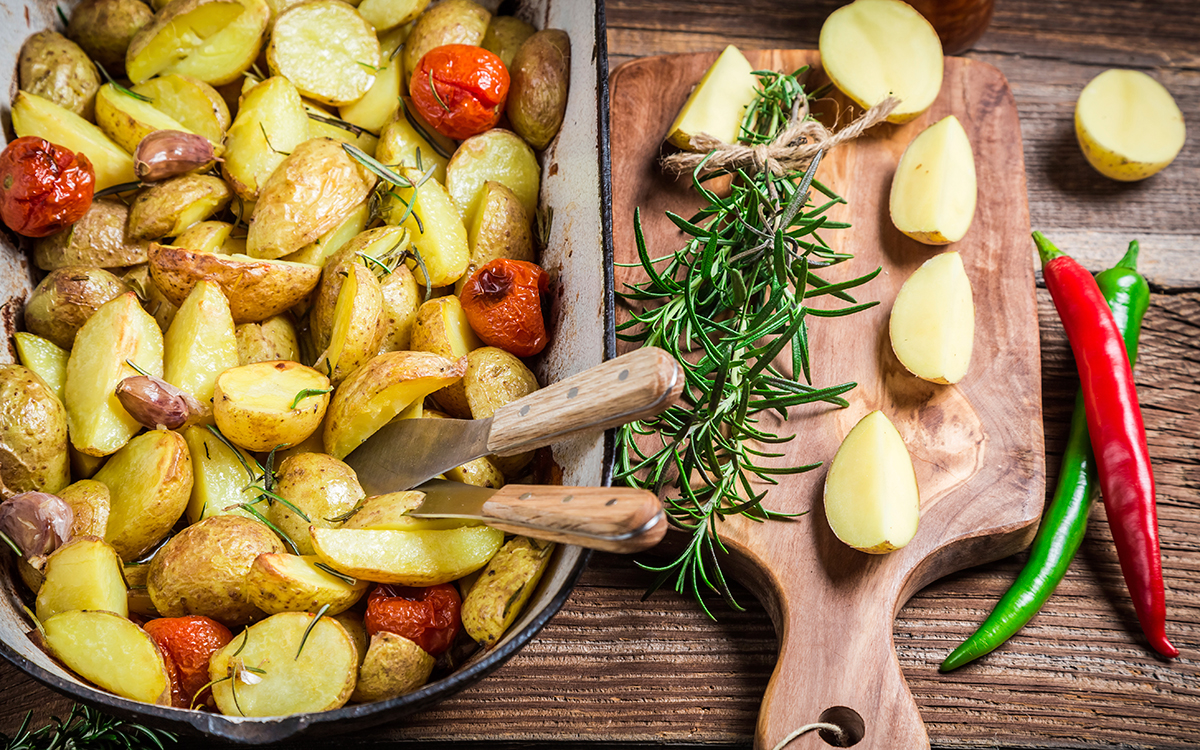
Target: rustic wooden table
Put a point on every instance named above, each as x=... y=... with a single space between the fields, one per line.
x=613 y=671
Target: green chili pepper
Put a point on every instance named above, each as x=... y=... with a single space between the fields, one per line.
x=1065 y=520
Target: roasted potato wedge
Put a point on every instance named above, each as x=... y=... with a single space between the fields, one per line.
x=104 y=28
x=256 y=289
x=388 y=14
x=271 y=122
x=152 y=299
x=205 y=237
x=344 y=71
x=401 y=300
x=500 y=228
x=312 y=667
x=270 y=404
x=292 y=583
x=272 y=339
x=537 y=98
x=33 y=115
x=84 y=573
x=98 y=240
x=128 y=120
x=33 y=434
x=380 y=390
x=167 y=208
x=220 y=475
x=434 y=226
x=190 y=102
x=47 y=360
x=64 y=300
x=312 y=191
x=405 y=135
x=202 y=569
x=54 y=67
x=390 y=513
x=330 y=126
x=200 y=344
x=327 y=245
x=407 y=558
x=357 y=332
x=378 y=105
x=494 y=378
x=441 y=328
x=392 y=666
x=500 y=593
x=110 y=651
x=449 y=22
x=214 y=41
x=149 y=482
x=137 y=597
x=320 y=489
x=89 y=501
x=379 y=243
x=120 y=332
x=497 y=155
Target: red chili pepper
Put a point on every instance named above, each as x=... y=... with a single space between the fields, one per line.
x=1117 y=434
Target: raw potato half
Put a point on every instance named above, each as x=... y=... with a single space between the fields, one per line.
x=871 y=497
x=718 y=103
x=326 y=49
x=110 y=651
x=932 y=325
x=1128 y=125
x=873 y=49
x=933 y=191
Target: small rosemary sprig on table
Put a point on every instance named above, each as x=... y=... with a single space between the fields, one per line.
x=86 y=729
x=735 y=296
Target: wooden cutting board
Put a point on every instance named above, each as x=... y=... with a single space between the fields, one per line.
x=977 y=446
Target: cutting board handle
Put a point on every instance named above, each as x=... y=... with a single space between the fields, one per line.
x=613 y=519
x=631 y=387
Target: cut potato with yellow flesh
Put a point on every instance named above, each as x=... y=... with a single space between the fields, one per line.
x=282 y=666
x=390 y=512
x=496 y=599
x=119 y=332
x=718 y=103
x=498 y=155
x=219 y=476
x=204 y=237
x=231 y=51
x=873 y=49
x=85 y=573
x=933 y=190
x=191 y=102
x=319 y=489
x=214 y=41
x=393 y=666
x=407 y=558
x=200 y=344
x=1128 y=125
x=388 y=14
x=401 y=140
x=33 y=115
x=270 y=123
x=401 y=300
x=932 y=325
x=356 y=331
x=871 y=497
x=272 y=339
x=270 y=404
x=45 y=358
x=128 y=120
x=90 y=501
x=435 y=227
x=293 y=583
x=335 y=239
x=342 y=133
x=378 y=391
x=149 y=483
x=441 y=328
x=379 y=104
x=326 y=49
x=110 y=651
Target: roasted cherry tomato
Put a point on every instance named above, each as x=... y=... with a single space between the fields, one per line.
x=460 y=89
x=43 y=187
x=503 y=304
x=429 y=616
x=187 y=643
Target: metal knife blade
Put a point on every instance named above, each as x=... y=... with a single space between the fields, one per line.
x=406 y=452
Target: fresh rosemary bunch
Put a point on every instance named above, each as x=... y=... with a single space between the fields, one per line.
x=735 y=296
x=87 y=729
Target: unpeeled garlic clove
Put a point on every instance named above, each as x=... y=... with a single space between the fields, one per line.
x=156 y=404
x=37 y=523
x=170 y=153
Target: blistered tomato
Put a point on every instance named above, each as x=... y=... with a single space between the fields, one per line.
x=429 y=616
x=503 y=304
x=43 y=187
x=459 y=89
x=187 y=643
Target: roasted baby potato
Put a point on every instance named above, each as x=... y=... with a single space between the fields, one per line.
x=152 y=299
x=499 y=229
x=377 y=106
x=378 y=391
x=388 y=14
x=98 y=239
x=256 y=289
x=500 y=593
x=111 y=652
x=120 y=332
x=149 y=482
x=128 y=120
x=537 y=98
x=190 y=102
x=320 y=488
x=214 y=41
x=205 y=237
x=46 y=360
x=312 y=667
x=498 y=155
x=64 y=300
x=291 y=583
x=390 y=513
x=449 y=22
x=357 y=333
x=89 y=501
x=270 y=404
x=272 y=339
x=270 y=123
x=401 y=140
x=393 y=665
x=202 y=569
x=220 y=476
x=434 y=226
x=33 y=115
x=407 y=558
x=441 y=328
x=167 y=208
x=504 y=36
x=312 y=191
x=54 y=67
x=327 y=245
x=33 y=434
x=401 y=299
x=378 y=243
x=493 y=379
x=84 y=573
x=104 y=28
x=200 y=344
x=344 y=71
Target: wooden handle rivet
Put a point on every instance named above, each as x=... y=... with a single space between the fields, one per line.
x=568 y=498
x=573 y=393
x=624 y=374
x=524 y=410
x=611 y=502
x=525 y=496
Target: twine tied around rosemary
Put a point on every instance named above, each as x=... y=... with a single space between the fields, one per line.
x=791 y=151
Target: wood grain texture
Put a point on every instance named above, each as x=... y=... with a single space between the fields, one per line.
x=612 y=671
x=615 y=519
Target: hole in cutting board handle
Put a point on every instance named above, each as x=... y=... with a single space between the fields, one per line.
x=849 y=720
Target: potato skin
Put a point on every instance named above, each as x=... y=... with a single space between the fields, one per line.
x=321 y=486
x=496 y=598
x=505 y=35
x=167 y=208
x=98 y=239
x=66 y=298
x=392 y=666
x=33 y=434
x=537 y=96
x=201 y=570
x=55 y=68
x=272 y=339
x=104 y=28
x=449 y=22
x=495 y=378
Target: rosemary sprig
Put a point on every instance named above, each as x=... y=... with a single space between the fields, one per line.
x=305 y=393
x=86 y=728
x=734 y=296
x=320 y=613
x=122 y=89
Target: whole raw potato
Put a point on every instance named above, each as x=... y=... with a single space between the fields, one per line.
x=104 y=28
x=33 y=434
x=55 y=68
x=201 y=570
x=66 y=298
